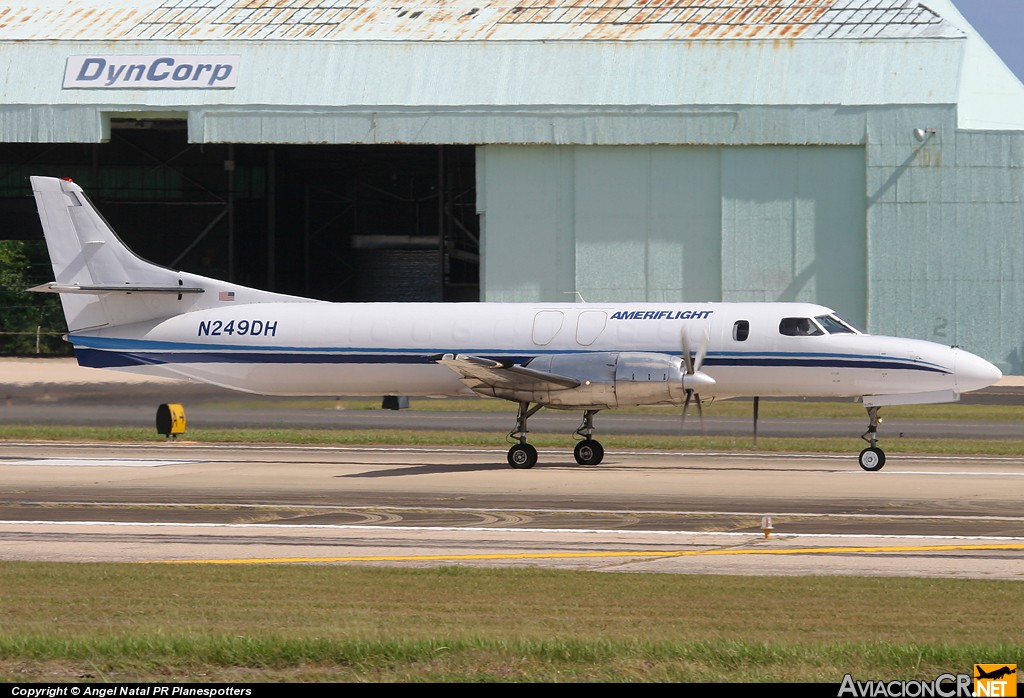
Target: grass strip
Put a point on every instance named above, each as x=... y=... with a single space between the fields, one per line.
x=123 y=622
x=439 y=438
x=769 y=408
x=268 y=659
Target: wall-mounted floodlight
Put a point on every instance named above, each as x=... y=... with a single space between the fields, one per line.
x=921 y=133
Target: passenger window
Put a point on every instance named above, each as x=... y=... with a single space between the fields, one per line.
x=799 y=327
x=741 y=330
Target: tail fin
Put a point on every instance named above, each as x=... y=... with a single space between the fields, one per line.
x=102 y=283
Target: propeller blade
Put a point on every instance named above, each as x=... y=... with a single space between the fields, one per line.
x=691 y=395
x=703 y=351
x=692 y=376
x=687 y=356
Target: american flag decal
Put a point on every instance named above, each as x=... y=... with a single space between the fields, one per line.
x=226 y=295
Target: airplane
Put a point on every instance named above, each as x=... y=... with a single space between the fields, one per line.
x=125 y=313
x=995 y=674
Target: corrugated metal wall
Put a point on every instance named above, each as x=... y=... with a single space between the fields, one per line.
x=902 y=236
x=675 y=223
x=793 y=226
x=946 y=254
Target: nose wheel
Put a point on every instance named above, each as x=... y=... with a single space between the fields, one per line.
x=872 y=458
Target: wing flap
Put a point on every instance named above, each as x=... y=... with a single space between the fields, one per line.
x=478 y=373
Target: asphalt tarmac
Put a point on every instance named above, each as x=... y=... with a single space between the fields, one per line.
x=674 y=513
x=670 y=512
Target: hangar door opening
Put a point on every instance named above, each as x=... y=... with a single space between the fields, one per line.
x=334 y=222
x=375 y=223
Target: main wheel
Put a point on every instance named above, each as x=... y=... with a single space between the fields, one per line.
x=522 y=456
x=872 y=459
x=589 y=452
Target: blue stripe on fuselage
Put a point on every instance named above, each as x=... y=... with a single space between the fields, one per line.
x=103 y=358
x=126 y=353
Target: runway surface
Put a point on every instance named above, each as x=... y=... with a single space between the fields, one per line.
x=672 y=512
x=681 y=513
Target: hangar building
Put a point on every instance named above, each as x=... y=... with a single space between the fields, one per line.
x=864 y=154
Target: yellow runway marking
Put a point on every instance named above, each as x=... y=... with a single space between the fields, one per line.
x=621 y=553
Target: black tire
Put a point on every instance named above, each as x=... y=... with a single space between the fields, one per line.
x=589 y=452
x=522 y=456
x=872 y=459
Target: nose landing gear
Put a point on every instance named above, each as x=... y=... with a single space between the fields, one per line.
x=872 y=458
x=522 y=455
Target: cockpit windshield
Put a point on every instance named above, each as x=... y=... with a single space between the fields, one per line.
x=834 y=325
x=814 y=327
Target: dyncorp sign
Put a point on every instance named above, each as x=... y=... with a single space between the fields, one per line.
x=151 y=72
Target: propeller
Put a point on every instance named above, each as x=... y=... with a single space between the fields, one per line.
x=694 y=379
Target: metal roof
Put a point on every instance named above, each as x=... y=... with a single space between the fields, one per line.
x=485 y=71
x=469 y=20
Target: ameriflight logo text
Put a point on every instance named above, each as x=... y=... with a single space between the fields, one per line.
x=661 y=314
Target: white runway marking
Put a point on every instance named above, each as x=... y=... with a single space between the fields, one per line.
x=495 y=529
x=958 y=473
x=534 y=511
x=97 y=462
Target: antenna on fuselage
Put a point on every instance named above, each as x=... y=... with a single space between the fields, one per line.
x=577 y=294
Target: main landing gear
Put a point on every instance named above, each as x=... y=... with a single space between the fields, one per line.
x=872 y=458
x=523 y=455
x=588 y=451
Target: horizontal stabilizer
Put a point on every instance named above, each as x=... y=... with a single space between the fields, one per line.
x=119 y=288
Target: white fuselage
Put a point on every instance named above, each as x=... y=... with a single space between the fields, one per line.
x=354 y=349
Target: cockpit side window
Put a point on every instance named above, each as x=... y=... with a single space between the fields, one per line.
x=741 y=330
x=799 y=327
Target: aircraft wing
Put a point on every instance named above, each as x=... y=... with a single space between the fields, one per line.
x=479 y=374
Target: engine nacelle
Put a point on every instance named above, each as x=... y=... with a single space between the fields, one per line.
x=649 y=379
x=608 y=380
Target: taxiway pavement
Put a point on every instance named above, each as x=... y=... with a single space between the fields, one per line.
x=681 y=513
x=672 y=512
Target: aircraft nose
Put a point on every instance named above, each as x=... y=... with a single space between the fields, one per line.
x=973 y=372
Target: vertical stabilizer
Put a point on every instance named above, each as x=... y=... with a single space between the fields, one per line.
x=104 y=284
x=83 y=249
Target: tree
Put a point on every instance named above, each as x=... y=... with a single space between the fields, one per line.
x=30 y=323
